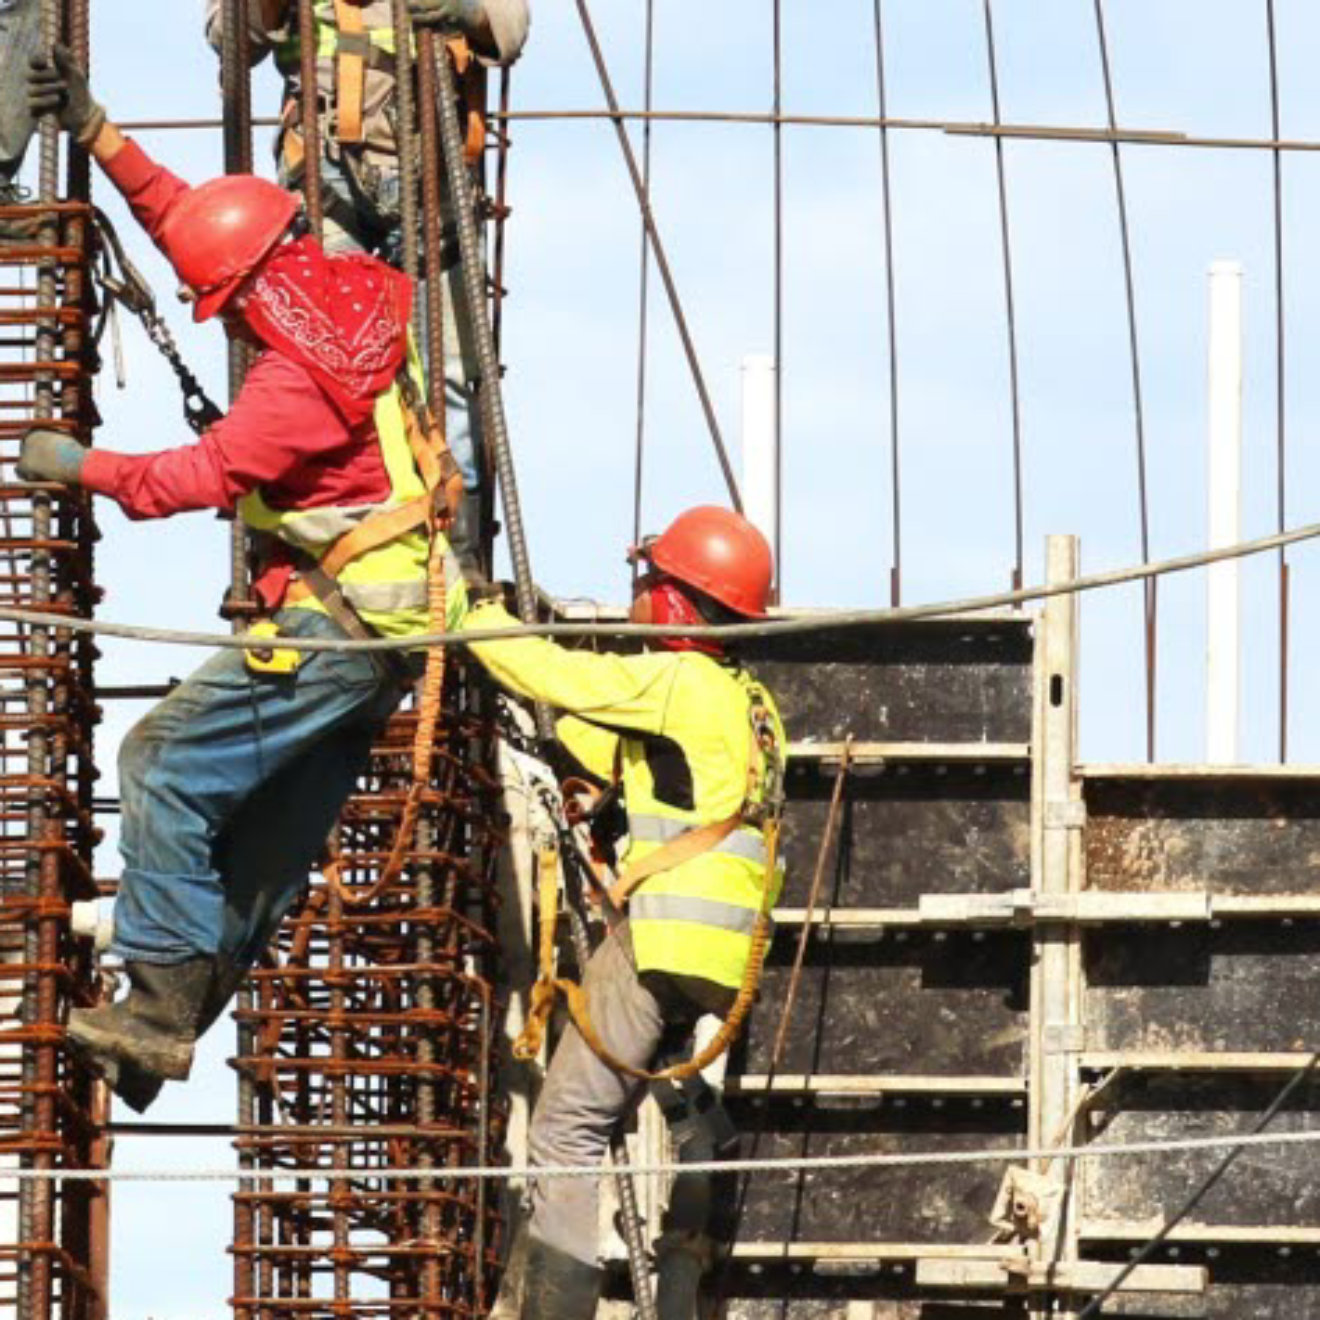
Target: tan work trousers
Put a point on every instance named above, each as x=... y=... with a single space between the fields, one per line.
x=583 y=1099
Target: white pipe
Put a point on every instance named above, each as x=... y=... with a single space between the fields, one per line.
x=760 y=439
x=1224 y=520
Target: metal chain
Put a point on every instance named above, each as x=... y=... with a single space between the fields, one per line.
x=129 y=288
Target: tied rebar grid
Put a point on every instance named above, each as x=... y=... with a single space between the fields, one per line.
x=53 y=1241
x=372 y=1048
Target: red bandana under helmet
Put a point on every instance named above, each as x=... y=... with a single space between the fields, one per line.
x=344 y=318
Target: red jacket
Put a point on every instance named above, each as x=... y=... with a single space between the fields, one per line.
x=282 y=433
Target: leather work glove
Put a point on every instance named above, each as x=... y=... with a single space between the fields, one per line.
x=56 y=85
x=456 y=15
x=50 y=456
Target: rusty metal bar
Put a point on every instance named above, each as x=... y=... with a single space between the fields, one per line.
x=1138 y=410
x=50 y=1108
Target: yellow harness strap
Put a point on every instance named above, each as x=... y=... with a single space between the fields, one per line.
x=350 y=70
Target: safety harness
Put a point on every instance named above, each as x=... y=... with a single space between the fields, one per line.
x=762 y=808
x=435 y=511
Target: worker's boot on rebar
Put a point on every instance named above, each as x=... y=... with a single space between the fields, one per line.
x=154 y=1027
x=557 y=1286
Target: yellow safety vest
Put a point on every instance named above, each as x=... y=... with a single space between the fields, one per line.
x=388 y=585
x=678 y=726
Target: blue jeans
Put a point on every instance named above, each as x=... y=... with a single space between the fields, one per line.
x=230 y=787
x=374 y=227
x=20 y=39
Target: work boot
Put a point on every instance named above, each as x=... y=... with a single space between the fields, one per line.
x=154 y=1027
x=138 y=1089
x=557 y=1286
x=17 y=229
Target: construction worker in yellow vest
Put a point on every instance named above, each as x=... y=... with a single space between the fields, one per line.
x=360 y=180
x=696 y=745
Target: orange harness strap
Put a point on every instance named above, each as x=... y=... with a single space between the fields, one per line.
x=350 y=70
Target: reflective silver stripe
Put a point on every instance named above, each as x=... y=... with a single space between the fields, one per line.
x=703 y=911
x=747 y=844
x=314 y=528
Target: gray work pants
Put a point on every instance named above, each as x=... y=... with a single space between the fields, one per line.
x=20 y=38
x=582 y=1099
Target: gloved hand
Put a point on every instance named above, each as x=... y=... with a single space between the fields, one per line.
x=56 y=85
x=457 y=15
x=50 y=456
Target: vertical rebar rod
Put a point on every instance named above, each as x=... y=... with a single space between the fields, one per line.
x=430 y=49
x=1280 y=383
x=311 y=121
x=643 y=285
x=1134 y=353
x=406 y=138
x=236 y=107
x=661 y=259
x=1150 y=589
x=891 y=318
x=494 y=423
x=36 y=1202
x=778 y=131
x=501 y=211
x=1006 y=248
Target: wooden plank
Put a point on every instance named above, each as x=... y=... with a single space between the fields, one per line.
x=1142 y=1230
x=864 y=752
x=873 y=1084
x=1192 y=1060
x=1157 y=771
x=862 y=1252
x=1067 y=1276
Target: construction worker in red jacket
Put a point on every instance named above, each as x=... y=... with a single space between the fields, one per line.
x=696 y=746
x=231 y=785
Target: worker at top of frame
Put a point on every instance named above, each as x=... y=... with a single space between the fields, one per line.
x=231 y=785
x=361 y=187
x=692 y=739
x=20 y=37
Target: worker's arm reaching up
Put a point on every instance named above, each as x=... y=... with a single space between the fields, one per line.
x=629 y=692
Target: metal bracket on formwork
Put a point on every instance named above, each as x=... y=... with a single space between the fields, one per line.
x=1027 y=1205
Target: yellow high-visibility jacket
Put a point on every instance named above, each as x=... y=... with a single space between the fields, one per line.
x=387 y=586
x=678 y=727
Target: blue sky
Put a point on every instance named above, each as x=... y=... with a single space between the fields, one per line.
x=1197 y=66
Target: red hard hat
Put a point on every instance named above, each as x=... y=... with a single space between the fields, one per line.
x=215 y=235
x=719 y=553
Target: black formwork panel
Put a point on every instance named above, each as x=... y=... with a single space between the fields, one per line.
x=960 y=681
x=910 y=830
x=1202 y=1016
x=935 y=1007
